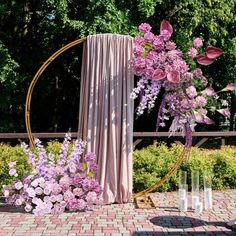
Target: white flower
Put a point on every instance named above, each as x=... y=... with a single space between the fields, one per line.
x=35 y=183
x=28 y=207
x=31 y=192
x=6 y=193
x=18 y=185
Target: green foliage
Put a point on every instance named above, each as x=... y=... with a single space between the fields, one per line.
x=11 y=154
x=16 y=154
x=32 y=30
x=149 y=165
x=153 y=163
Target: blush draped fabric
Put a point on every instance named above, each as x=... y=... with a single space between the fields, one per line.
x=106 y=111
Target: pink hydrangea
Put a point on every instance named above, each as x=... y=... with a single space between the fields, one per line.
x=197 y=73
x=91 y=198
x=149 y=37
x=201 y=101
x=197 y=42
x=192 y=52
x=56 y=188
x=191 y=91
x=144 y=28
x=170 y=46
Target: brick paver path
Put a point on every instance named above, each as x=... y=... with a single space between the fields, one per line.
x=125 y=219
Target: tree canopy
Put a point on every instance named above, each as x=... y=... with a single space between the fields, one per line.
x=31 y=30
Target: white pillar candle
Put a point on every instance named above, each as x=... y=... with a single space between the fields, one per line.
x=207 y=198
x=183 y=204
x=182 y=193
x=199 y=207
x=195 y=201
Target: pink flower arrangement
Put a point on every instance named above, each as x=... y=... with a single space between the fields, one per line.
x=161 y=66
x=56 y=185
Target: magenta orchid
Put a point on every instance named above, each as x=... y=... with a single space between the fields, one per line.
x=56 y=186
x=161 y=66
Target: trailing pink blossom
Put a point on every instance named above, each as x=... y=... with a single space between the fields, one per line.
x=225 y=112
x=229 y=87
x=209 y=91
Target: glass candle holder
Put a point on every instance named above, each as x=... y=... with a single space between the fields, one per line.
x=183 y=197
x=182 y=177
x=207 y=177
x=195 y=188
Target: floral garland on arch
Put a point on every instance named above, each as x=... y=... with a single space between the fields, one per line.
x=58 y=183
x=187 y=97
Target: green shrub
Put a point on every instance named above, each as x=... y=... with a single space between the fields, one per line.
x=149 y=165
x=10 y=154
x=153 y=163
x=16 y=154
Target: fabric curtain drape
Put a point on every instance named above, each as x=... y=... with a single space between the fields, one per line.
x=106 y=111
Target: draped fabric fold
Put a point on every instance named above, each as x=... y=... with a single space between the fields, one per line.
x=106 y=111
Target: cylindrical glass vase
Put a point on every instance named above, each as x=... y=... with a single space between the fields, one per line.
x=183 y=191
x=195 y=188
x=183 y=197
x=182 y=177
x=207 y=191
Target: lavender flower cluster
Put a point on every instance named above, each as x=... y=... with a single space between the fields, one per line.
x=56 y=184
x=187 y=97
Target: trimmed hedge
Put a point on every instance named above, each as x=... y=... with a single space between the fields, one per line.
x=152 y=163
x=149 y=165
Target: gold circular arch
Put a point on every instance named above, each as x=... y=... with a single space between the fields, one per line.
x=141 y=198
x=34 y=81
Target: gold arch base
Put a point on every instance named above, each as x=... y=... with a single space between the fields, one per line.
x=142 y=199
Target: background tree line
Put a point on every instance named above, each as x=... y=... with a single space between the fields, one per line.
x=31 y=30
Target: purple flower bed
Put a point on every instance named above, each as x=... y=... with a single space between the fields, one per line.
x=58 y=183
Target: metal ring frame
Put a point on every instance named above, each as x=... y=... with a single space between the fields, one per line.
x=34 y=81
x=143 y=193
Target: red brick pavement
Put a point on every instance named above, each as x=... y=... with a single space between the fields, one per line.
x=125 y=219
